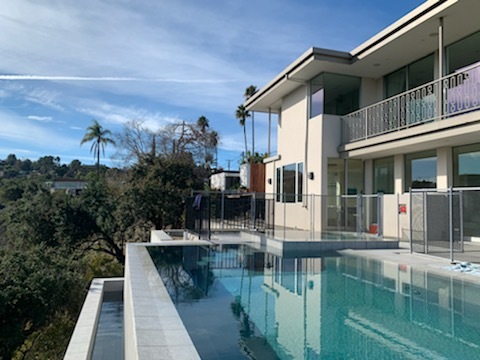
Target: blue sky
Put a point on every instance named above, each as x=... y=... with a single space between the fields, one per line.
x=66 y=62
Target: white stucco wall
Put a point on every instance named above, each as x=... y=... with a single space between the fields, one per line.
x=245 y=175
x=217 y=181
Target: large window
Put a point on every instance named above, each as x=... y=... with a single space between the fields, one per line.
x=463 y=53
x=421 y=170
x=334 y=94
x=466 y=165
x=409 y=77
x=290 y=183
x=383 y=177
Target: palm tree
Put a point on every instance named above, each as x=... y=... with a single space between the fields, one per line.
x=203 y=124
x=249 y=92
x=214 y=140
x=242 y=114
x=99 y=136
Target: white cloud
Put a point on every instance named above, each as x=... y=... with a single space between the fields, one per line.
x=120 y=115
x=21 y=131
x=40 y=118
x=44 y=97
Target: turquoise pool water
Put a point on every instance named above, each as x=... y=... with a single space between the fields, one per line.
x=238 y=302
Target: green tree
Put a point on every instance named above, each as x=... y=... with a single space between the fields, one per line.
x=35 y=284
x=158 y=187
x=100 y=138
x=242 y=114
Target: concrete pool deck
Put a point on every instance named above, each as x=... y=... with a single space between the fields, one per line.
x=419 y=262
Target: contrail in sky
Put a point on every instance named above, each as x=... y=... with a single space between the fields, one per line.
x=108 y=78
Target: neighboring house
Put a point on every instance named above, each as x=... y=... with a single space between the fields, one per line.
x=225 y=180
x=69 y=186
x=400 y=111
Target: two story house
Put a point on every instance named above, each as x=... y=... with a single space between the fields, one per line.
x=399 y=112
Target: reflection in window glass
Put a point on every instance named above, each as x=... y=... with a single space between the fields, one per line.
x=354 y=176
x=463 y=53
x=466 y=165
x=289 y=183
x=334 y=94
x=396 y=82
x=299 y=181
x=383 y=177
x=421 y=170
x=278 y=187
x=409 y=77
x=316 y=102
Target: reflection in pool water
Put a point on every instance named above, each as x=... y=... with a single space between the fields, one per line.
x=239 y=302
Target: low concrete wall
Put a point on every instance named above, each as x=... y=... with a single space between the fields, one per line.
x=153 y=328
x=157 y=236
x=83 y=338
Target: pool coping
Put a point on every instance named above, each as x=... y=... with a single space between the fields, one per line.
x=81 y=343
x=153 y=327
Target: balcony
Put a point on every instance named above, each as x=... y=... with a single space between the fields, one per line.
x=440 y=99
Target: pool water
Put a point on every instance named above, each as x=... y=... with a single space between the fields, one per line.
x=238 y=302
x=108 y=343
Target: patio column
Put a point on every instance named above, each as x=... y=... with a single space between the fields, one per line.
x=441 y=69
x=444 y=168
x=441 y=49
x=399 y=173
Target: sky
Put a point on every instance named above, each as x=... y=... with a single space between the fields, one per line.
x=64 y=63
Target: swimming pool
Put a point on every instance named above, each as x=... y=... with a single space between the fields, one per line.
x=238 y=302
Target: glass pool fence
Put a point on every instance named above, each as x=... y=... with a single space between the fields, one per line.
x=446 y=223
x=284 y=215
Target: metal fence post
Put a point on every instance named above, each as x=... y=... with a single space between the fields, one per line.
x=223 y=210
x=460 y=205
x=359 y=214
x=425 y=221
x=450 y=219
x=411 y=223
x=380 y=216
x=254 y=215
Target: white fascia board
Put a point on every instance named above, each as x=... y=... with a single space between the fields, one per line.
x=402 y=26
x=312 y=54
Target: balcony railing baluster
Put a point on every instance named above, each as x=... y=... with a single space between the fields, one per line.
x=440 y=99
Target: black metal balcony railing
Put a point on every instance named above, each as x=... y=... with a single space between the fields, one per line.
x=440 y=99
x=227 y=212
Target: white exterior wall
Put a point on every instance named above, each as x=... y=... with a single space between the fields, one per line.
x=312 y=142
x=245 y=175
x=217 y=181
x=291 y=148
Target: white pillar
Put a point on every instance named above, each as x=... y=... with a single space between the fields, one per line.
x=444 y=167
x=398 y=173
x=368 y=173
